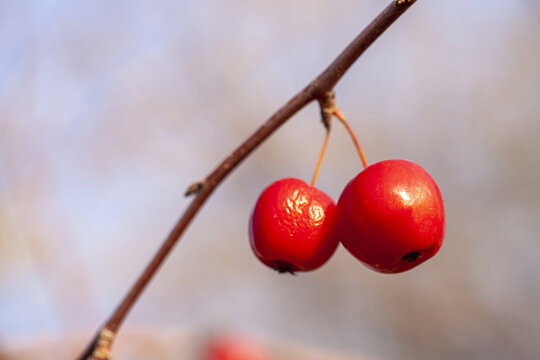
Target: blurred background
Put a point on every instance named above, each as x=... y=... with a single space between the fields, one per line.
x=109 y=110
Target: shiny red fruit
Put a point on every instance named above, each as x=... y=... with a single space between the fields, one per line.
x=291 y=227
x=391 y=216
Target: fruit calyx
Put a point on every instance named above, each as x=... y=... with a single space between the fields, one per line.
x=283 y=267
x=412 y=256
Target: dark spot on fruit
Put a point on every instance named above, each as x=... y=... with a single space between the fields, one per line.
x=412 y=256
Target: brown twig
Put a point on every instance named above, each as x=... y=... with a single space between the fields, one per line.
x=315 y=90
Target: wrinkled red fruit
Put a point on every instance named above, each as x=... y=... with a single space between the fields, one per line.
x=391 y=216
x=291 y=227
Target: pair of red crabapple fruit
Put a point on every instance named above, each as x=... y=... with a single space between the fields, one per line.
x=390 y=217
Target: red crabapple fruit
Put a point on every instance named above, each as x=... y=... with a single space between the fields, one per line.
x=292 y=226
x=391 y=216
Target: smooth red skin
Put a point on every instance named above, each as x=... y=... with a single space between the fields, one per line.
x=390 y=209
x=232 y=347
x=291 y=227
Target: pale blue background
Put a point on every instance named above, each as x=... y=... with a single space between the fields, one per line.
x=109 y=110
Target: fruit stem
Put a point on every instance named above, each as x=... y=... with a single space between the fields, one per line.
x=321 y=156
x=337 y=113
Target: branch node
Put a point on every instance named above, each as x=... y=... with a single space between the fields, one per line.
x=194 y=188
x=401 y=2
x=328 y=105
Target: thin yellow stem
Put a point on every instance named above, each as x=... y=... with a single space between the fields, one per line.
x=340 y=116
x=321 y=156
